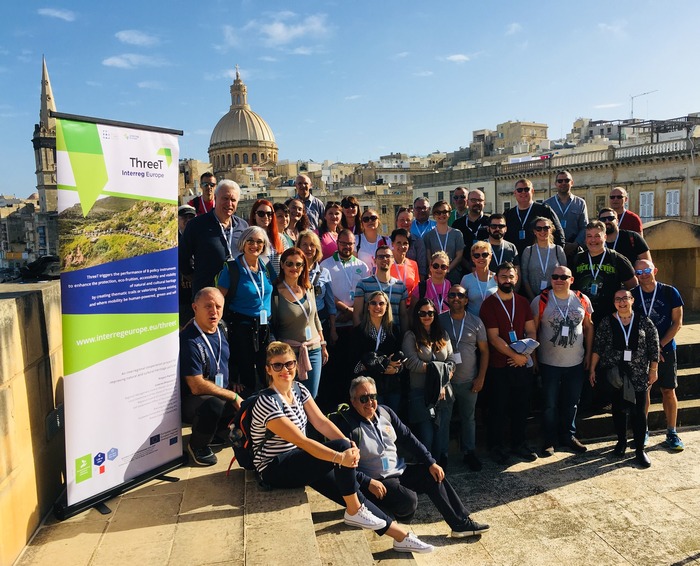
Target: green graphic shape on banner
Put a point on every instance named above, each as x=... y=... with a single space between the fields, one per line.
x=165 y=152
x=90 y=344
x=83 y=468
x=81 y=141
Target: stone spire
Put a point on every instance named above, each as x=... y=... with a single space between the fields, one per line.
x=46 y=123
x=239 y=93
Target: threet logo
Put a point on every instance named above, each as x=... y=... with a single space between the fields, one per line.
x=165 y=152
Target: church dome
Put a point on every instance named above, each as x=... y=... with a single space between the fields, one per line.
x=241 y=124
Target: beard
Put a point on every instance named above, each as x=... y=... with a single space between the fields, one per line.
x=609 y=229
x=505 y=287
x=497 y=235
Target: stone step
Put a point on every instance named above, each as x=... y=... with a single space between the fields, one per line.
x=688 y=355
x=688 y=384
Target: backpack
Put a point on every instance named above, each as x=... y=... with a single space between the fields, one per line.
x=544 y=297
x=422 y=288
x=239 y=428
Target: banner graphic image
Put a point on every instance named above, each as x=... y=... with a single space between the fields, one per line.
x=117 y=217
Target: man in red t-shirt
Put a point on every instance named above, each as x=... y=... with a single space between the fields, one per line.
x=508 y=318
x=205 y=202
x=626 y=219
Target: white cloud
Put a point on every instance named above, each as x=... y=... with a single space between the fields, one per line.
x=513 y=28
x=151 y=85
x=135 y=37
x=353 y=97
x=133 y=60
x=302 y=51
x=65 y=15
x=268 y=59
x=285 y=28
x=422 y=73
x=617 y=29
x=458 y=58
x=230 y=37
x=608 y=105
x=401 y=55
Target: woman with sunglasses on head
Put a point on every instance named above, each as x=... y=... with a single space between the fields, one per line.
x=445 y=239
x=378 y=349
x=262 y=214
x=436 y=286
x=425 y=344
x=481 y=282
x=539 y=260
x=416 y=250
x=329 y=229
x=626 y=348
x=282 y=216
x=246 y=282
x=366 y=244
x=296 y=319
x=352 y=219
x=286 y=458
x=298 y=220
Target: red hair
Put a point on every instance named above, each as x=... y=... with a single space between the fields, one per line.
x=273 y=232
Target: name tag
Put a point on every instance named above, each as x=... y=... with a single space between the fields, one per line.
x=263 y=317
x=594 y=289
x=352 y=295
x=458 y=357
x=564 y=331
x=307 y=333
x=385 y=463
x=513 y=336
x=219 y=379
x=563 y=223
x=521 y=234
x=543 y=285
x=627 y=356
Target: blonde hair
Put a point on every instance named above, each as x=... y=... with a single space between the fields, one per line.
x=440 y=255
x=277 y=349
x=481 y=246
x=316 y=242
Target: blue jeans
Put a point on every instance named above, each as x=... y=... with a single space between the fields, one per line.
x=561 y=389
x=434 y=434
x=466 y=404
x=313 y=377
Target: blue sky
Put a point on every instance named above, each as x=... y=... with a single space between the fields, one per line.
x=345 y=81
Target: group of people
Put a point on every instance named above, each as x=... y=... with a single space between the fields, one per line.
x=410 y=323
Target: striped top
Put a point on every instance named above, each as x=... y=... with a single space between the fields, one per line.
x=268 y=408
x=395 y=289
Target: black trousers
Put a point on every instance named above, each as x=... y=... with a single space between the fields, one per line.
x=510 y=389
x=638 y=416
x=248 y=344
x=208 y=415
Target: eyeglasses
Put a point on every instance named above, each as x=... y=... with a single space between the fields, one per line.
x=563 y=180
x=645 y=271
x=368 y=219
x=607 y=218
x=366 y=398
x=456 y=295
x=476 y=200
x=420 y=208
x=426 y=314
x=346 y=244
x=482 y=254
x=615 y=197
x=384 y=256
x=522 y=190
x=557 y=277
x=290 y=365
x=440 y=266
x=542 y=228
x=348 y=205
x=208 y=185
x=441 y=212
x=377 y=303
x=255 y=242
x=623 y=299
x=264 y=213
x=459 y=197
x=296 y=264
x=497 y=226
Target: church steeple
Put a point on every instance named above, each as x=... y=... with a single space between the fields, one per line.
x=47 y=102
x=44 y=142
x=239 y=93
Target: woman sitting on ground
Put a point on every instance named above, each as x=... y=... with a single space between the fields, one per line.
x=290 y=459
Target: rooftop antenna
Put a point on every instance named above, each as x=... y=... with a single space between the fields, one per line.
x=632 y=97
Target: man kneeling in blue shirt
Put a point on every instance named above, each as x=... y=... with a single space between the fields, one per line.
x=384 y=477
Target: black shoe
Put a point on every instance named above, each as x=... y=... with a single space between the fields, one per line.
x=202 y=456
x=469 y=529
x=548 y=451
x=498 y=455
x=576 y=445
x=620 y=448
x=642 y=459
x=525 y=452
x=472 y=462
x=218 y=441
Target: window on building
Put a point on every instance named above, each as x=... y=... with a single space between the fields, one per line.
x=236 y=159
x=506 y=205
x=646 y=205
x=365 y=208
x=228 y=160
x=673 y=203
x=384 y=209
x=600 y=202
x=245 y=158
x=255 y=157
x=441 y=195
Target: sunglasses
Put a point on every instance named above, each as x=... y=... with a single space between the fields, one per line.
x=255 y=242
x=482 y=254
x=367 y=219
x=563 y=180
x=542 y=228
x=290 y=365
x=263 y=213
x=440 y=266
x=426 y=314
x=208 y=185
x=522 y=190
x=497 y=226
x=456 y=295
x=557 y=277
x=366 y=398
x=607 y=218
x=297 y=264
x=615 y=197
x=459 y=197
x=645 y=271
x=349 y=206
x=441 y=212
x=377 y=303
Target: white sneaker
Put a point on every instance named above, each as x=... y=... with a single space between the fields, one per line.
x=412 y=544
x=365 y=519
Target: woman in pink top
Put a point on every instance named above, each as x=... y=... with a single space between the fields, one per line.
x=436 y=286
x=329 y=229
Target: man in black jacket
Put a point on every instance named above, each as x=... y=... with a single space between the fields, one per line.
x=384 y=477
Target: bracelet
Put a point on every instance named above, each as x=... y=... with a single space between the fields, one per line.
x=236 y=398
x=654 y=369
x=323 y=342
x=335 y=455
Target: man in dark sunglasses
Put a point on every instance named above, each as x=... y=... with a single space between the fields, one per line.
x=467 y=334
x=565 y=333
x=459 y=205
x=519 y=217
x=630 y=244
x=503 y=250
x=571 y=211
x=205 y=201
x=473 y=224
x=627 y=220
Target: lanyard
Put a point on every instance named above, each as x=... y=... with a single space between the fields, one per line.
x=619 y=220
x=461 y=330
x=382 y=288
x=653 y=298
x=590 y=263
x=422 y=232
x=628 y=332
x=259 y=290
x=341 y=266
x=568 y=303
x=378 y=431
x=503 y=250
x=442 y=247
x=229 y=239
x=398 y=271
x=206 y=340
x=441 y=297
x=564 y=211
x=298 y=302
x=523 y=221
x=511 y=315
x=204 y=205
x=486 y=285
x=614 y=246
x=477 y=222
x=546 y=263
x=379 y=338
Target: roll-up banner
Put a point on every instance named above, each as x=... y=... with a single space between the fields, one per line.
x=117 y=218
